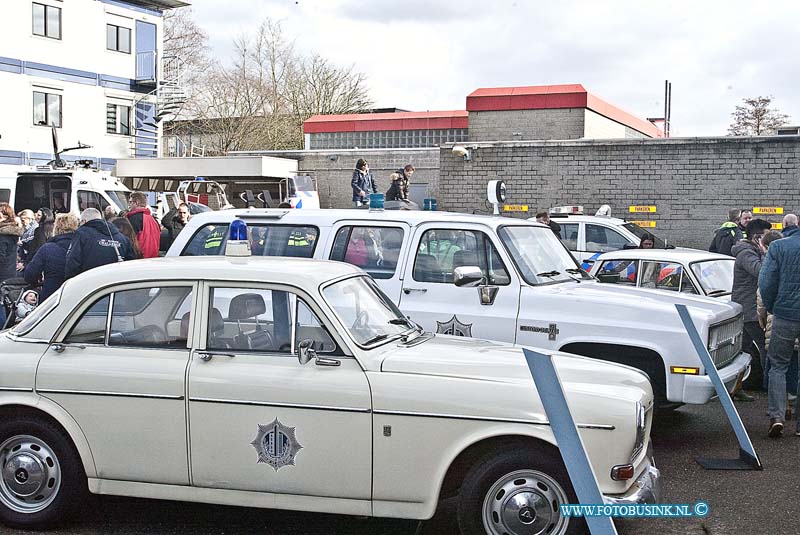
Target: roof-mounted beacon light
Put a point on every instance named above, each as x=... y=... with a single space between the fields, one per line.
x=496 y=193
x=238 y=243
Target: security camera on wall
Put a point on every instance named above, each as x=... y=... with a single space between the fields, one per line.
x=462 y=151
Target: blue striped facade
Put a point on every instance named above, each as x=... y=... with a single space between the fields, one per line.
x=65 y=74
x=16 y=157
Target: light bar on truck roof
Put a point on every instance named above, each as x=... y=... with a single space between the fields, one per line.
x=566 y=210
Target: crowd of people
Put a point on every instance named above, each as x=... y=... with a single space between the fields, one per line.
x=39 y=251
x=766 y=283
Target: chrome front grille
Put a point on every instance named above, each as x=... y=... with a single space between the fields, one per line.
x=725 y=341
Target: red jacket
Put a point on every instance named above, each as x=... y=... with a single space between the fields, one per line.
x=148 y=231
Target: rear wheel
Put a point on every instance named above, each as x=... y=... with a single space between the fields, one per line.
x=517 y=492
x=41 y=477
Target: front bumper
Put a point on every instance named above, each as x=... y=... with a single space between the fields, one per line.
x=646 y=489
x=698 y=389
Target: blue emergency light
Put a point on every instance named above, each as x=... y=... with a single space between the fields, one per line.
x=238 y=243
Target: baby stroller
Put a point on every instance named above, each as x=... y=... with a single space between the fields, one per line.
x=10 y=292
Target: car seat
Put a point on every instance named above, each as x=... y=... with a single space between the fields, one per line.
x=244 y=307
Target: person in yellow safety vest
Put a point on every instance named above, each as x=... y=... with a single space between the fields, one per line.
x=214 y=239
x=298 y=239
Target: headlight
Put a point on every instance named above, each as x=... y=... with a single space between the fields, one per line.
x=641 y=431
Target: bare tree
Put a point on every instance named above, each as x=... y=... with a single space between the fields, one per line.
x=756 y=118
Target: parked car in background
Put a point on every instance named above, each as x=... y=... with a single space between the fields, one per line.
x=533 y=293
x=294 y=384
x=588 y=236
x=679 y=270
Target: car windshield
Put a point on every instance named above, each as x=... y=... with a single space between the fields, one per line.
x=119 y=197
x=37 y=314
x=539 y=255
x=715 y=276
x=364 y=309
x=639 y=232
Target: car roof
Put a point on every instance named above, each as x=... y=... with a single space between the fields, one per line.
x=322 y=216
x=588 y=219
x=303 y=272
x=676 y=255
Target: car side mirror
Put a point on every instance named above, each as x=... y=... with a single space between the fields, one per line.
x=608 y=277
x=468 y=276
x=630 y=246
x=305 y=351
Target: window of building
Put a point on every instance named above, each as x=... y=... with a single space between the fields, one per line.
x=440 y=251
x=46 y=21
x=376 y=250
x=46 y=109
x=118 y=38
x=118 y=119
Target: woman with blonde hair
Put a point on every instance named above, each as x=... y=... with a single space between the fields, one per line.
x=48 y=264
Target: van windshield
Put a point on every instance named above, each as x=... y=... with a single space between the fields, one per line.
x=539 y=255
x=119 y=197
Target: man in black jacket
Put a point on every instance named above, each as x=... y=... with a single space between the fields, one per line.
x=728 y=234
x=96 y=243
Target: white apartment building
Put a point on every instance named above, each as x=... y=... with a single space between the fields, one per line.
x=92 y=68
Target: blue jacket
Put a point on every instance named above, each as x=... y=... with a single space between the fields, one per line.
x=94 y=245
x=362 y=182
x=779 y=281
x=50 y=260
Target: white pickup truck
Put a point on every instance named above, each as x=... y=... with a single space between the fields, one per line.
x=535 y=292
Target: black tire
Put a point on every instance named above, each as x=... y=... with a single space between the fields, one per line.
x=69 y=481
x=492 y=468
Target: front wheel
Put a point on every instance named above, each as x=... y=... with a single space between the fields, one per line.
x=517 y=492
x=41 y=477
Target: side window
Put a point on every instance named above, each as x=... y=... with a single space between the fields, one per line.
x=309 y=327
x=91 y=327
x=619 y=272
x=376 y=250
x=602 y=239
x=91 y=199
x=245 y=319
x=661 y=275
x=148 y=317
x=569 y=235
x=440 y=251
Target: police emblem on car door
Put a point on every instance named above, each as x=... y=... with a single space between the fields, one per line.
x=276 y=444
x=454 y=327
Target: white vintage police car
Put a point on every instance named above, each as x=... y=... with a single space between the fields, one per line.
x=293 y=384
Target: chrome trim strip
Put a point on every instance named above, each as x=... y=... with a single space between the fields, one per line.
x=14 y=389
x=284 y=405
x=110 y=394
x=604 y=427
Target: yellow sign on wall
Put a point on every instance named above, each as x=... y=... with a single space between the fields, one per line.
x=639 y=209
x=645 y=224
x=515 y=207
x=778 y=210
x=777 y=226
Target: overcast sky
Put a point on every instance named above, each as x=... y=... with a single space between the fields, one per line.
x=430 y=54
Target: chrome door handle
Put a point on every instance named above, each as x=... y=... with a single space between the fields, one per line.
x=205 y=356
x=59 y=348
x=409 y=290
x=322 y=361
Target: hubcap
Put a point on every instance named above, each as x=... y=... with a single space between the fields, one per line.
x=524 y=502
x=31 y=475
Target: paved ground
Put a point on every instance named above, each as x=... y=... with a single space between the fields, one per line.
x=741 y=502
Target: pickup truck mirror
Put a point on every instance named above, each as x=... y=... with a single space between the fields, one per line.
x=468 y=276
x=608 y=277
x=630 y=246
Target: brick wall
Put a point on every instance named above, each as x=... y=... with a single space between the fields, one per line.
x=565 y=123
x=333 y=169
x=693 y=181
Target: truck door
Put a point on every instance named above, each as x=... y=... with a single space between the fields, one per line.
x=431 y=299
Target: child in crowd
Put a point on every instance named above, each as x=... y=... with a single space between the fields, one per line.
x=26 y=304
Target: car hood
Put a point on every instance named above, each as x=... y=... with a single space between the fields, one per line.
x=497 y=362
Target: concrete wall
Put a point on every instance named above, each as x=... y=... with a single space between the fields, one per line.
x=598 y=126
x=333 y=169
x=565 y=123
x=693 y=181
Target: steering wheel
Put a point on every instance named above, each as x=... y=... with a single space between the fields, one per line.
x=361 y=322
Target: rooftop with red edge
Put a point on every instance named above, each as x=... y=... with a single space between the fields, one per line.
x=481 y=100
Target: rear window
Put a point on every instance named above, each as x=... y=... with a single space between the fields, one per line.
x=265 y=240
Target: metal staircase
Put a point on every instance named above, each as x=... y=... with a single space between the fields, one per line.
x=165 y=101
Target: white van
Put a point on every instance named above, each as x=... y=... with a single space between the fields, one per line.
x=535 y=292
x=62 y=189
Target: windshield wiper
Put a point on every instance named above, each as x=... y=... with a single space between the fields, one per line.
x=576 y=271
x=376 y=338
x=548 y=273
